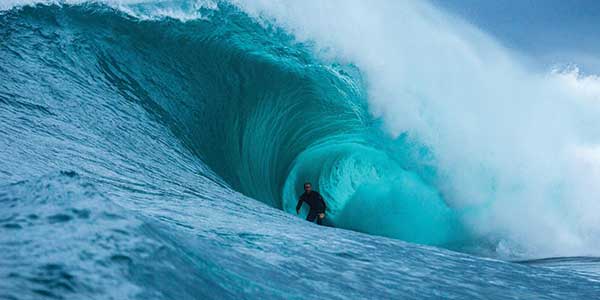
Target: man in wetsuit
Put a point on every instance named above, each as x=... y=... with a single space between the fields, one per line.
x=316 y=203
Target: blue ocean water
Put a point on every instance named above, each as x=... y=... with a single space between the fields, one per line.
x=156 y=151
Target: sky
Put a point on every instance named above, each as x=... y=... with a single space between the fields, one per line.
x=553 y=32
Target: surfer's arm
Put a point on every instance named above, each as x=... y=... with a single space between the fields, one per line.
x=299 y=205
x=323 y=202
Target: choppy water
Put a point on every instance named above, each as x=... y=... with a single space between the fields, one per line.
x=146 y=157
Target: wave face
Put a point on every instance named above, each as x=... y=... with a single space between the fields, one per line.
x=148 y=157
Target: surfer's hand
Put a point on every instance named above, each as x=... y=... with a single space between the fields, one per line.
x=321 y=215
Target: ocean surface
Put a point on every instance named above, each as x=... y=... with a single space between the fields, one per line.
x=156 y=150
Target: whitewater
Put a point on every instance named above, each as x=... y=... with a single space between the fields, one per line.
x=157 y=149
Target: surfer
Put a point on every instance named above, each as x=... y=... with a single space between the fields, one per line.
x=316 y=203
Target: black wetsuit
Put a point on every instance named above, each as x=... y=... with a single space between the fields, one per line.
x=316 y=203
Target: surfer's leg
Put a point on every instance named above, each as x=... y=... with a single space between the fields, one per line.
x=311 y=216
x=319 y=220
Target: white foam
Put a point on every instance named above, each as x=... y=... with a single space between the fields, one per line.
x=503 y=135
x=142 y=9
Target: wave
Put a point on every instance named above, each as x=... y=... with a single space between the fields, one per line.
x=462 y=148
x=136 y=138
x=266 y=116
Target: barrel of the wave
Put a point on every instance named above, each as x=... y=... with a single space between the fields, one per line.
x=368 y=191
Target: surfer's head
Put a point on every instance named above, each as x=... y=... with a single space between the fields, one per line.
x=307 y=187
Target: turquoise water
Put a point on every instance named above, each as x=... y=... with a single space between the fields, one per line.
x=155 y=158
